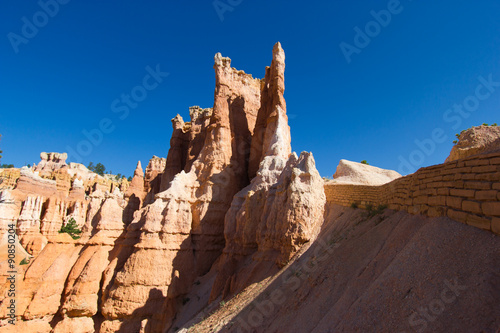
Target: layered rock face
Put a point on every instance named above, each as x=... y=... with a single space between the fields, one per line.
x=282 y=208
x=476 y=140
x=181 y=234
x=41 y=199
x=229 y=192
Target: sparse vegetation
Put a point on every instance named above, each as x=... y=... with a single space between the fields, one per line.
x=71 y=228
x=494 y=124
x=25 y=261
x=375 y=211
x=354 y=205
x=129 y=178
x=222 y=304
x=485 y=124
x=99 y=168
x=364 y=162
x=6 y=166
x=455 y=141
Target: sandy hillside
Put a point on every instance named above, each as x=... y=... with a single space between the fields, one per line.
x=388 y=273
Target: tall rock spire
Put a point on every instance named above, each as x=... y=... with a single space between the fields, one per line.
x=272 y=133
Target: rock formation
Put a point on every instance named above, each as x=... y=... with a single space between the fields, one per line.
x=181 y=234
x=51 y=162
x=476 y=140
x=41 y=199
x=362 y=174
x=282 y=208
x=229 y=184
x=230 y=206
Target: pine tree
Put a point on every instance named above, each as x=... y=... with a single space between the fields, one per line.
x=71 y=228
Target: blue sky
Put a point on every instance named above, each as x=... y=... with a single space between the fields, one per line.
x=405 y=74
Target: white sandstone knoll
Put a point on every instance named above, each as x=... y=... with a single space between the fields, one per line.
x=354 y=173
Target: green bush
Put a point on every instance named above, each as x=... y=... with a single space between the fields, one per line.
x=375 y=211
x=71 y=228
x=364 y=162
x=24 y=262
x=99 y=168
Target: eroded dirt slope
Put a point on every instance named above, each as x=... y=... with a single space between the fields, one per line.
x=393 y=272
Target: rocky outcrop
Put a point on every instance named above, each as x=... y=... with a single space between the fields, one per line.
x=81 y=293
x=349 y=172
x=186 y=143
x=152 y=177
x=51 y=162
x=30 y=182
x=181 y=233
x=272 y=106
x=9 y=177
x=283 y=206
x=230 y=198
x=476 y=140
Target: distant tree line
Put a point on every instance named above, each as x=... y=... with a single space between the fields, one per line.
x=100 y=169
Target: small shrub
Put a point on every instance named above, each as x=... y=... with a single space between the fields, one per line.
x=71 y=228
x=222 y=304
x=25 y=261
x=364 y=162
x=458 y=135
x=494 y=124
x=354 y=205
x=485 y=124
x=455 y=141
x=375 y=211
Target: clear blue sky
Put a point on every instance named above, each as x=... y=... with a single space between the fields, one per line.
x=396 y=89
